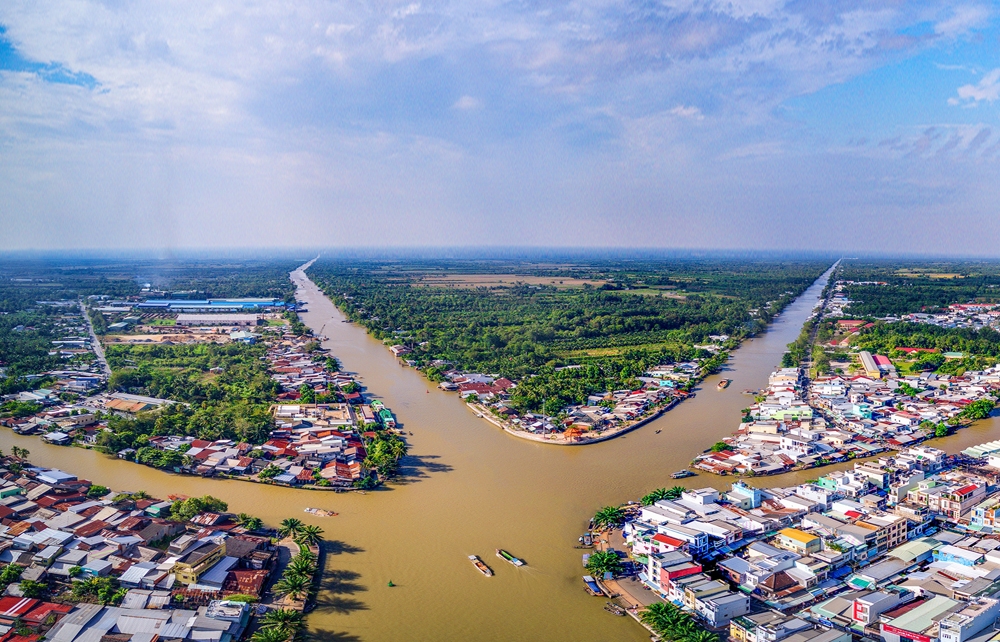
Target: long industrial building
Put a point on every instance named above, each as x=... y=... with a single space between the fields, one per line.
x=208 y=305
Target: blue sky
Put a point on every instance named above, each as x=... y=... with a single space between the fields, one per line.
x=765 y=124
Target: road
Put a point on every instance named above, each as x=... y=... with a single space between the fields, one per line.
x=95 y=343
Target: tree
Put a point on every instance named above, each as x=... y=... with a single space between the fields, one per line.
x=249 y=522
x=309 y=534
x=653 y=496
x=30 y=588
x=269 y=635
x=285 y=620
x=294 y=586
x=720 y=446
x=97 y=490
x=603 y=562
x=183 y=510
x=301 y=566
x=290 y=527
x=608 y=517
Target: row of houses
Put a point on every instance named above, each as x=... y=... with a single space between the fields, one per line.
x=902 y=548
x=801 y=424
x=175 y=576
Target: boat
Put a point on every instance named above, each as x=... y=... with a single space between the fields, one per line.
x=591 y=586
x=319 y=512
x=588 y=539
x=724 y=384
x=658 y=431
x=681 y=474
x=507 y=557
x=478 y=563
x=614 y=609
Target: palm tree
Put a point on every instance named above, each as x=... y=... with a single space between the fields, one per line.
x=301 y=566
x=654 y=496
x=309 y=535
x=294 y=586
x=270 y=635
x=608 y=516
x=284 y=620
x=675 y=492
x=701 y=635
x=290 y=527
x=249 y=522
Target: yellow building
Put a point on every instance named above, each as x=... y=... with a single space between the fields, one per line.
x=793 y=539
x=190 y=567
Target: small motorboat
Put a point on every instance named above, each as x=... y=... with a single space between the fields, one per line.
x=479 y=564
x=681 y=474
x=658 y=431
x=507 y=557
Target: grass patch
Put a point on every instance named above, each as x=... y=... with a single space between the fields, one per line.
x=163 y=322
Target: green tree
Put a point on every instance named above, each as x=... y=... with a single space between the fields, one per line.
x=309 y=535
x=269 y=635
x=30 y=588
x=294 y=586
x=183 y=510
x=285 y=620
x=602 y=562
x=290 y=527
x=608 y=517
x=249 y=522
x=97 y=490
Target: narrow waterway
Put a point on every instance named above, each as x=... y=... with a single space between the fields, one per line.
x=468 y=488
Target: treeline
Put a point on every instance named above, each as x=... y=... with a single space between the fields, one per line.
x=918 y=286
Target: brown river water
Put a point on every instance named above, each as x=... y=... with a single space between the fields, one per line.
x=468 y=488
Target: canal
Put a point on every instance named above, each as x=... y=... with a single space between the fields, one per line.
x=468 y=488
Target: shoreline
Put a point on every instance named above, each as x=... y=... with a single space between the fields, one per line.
x=484 y=413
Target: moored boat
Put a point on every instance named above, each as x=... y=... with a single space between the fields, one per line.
x=479 y=564
x=319 y=512
x=681 y=474
x=591 y=586
x=724 y=384
x=507 y=557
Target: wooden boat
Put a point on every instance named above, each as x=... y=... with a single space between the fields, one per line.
x=681 y=474
x=614 y=609
x=507 y=557
x=319 y=512
x=478 y=563
x=591 y=586
x=587 y=539
x=724 y=384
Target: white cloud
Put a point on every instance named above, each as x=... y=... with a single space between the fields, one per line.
x=687 y=111
x=963 y=19
x=467 y=103
x=988 y=89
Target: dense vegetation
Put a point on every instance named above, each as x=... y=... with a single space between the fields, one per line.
x=907 y=287
x=981 y=348
x=616 y=317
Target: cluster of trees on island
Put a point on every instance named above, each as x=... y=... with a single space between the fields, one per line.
x=528 y=332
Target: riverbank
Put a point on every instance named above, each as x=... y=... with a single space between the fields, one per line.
x=561 y=439
x=491 y=490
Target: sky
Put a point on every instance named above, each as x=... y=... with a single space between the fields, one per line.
x=759 y=124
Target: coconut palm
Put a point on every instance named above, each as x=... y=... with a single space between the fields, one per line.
x=608 y=516
x=294 y=586
x=284 y=620
x=301 y=566
x=290 y=527
x=675 y=492
x=270 y=635
x=249 y=522
x=309 y=535
x=654 y=496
